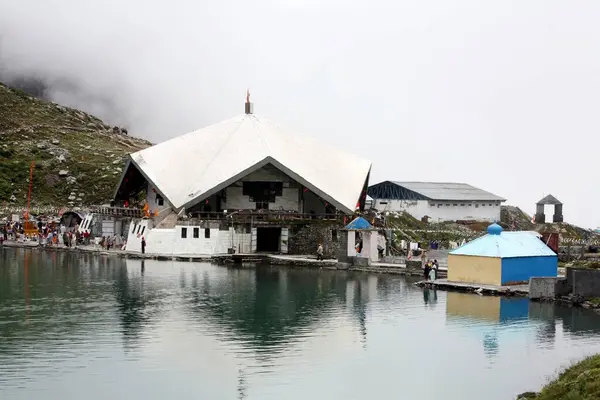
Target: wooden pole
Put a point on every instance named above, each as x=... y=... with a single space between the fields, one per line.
x=29 y=195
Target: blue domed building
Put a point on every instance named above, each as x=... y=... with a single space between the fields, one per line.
x=502 y=258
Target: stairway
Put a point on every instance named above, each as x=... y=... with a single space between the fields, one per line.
x=168 y=222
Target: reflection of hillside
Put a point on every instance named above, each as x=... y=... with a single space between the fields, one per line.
x=45 y=297
x=574 y=320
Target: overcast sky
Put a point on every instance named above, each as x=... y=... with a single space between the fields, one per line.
x=502 y=95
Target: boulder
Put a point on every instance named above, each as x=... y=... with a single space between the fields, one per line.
x=55 y=141
x=63 y=173
x=41 y=145
x=71 y=180
x=61 y=158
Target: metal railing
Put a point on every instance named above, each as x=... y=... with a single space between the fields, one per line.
x=248 y=216
x=117 y=211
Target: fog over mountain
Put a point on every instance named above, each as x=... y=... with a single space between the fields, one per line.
x=501 y=95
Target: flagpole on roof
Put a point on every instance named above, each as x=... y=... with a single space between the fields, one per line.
x=248 y=106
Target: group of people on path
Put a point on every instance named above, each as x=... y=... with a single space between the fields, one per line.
x=430 y=268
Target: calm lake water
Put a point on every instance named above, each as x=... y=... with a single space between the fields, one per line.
x=92 y=327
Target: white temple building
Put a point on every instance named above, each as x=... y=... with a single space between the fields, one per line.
x=237 y=186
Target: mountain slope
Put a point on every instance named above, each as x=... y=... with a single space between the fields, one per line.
x=78 y=158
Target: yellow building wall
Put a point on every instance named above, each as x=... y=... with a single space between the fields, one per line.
x=475 y=269
x=477 y=307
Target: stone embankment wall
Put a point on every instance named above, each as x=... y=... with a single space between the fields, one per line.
x=579 y=285
x=585 y=282
x=307 y=239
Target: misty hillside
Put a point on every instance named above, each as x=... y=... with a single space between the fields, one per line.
x=78 y=158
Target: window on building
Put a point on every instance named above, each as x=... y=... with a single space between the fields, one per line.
x=159 y=200
x=143 y=230
x=183 y=233
x=483 y=205
x=138 y=228
x=383 y=202
x=462 y=205
x=262 y=205
x=447 y=205
x=439 y=205
x=196 y=233
x=207 y=233
x=476 y=205
x=455 y=205
x=470 y=205
x=262 y=191
x=490 y=204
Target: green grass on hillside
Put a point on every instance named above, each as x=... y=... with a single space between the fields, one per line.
x=40 y=131
x=581 y=381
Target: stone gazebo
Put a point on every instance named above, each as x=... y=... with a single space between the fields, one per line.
x=540 y=217
x=357 y=230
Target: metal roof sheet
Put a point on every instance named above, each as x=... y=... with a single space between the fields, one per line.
x=359 y=223
x=506 y=245
x=189 y=167
x=449 y=191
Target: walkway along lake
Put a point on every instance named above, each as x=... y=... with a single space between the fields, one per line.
x=79 y=326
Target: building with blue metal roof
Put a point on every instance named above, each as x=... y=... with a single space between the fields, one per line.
x=439 y=201
x=502 y=258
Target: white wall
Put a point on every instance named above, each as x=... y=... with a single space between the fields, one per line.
x=170 y=242
x=443 y=210
x=237 y=201
x=289 y=201
x=152 y=202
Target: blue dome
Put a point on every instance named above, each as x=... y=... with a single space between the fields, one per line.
x=494 y=229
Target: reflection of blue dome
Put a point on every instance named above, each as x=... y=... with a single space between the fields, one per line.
x=494 y=229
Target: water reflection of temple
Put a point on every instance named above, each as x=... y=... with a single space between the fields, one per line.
x=270 y=308
x=493 y=315
x=490 y=310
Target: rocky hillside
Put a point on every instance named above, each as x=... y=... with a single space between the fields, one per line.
x=512 y=218
x=78 y=158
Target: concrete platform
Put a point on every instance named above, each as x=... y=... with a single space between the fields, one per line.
x=308 y=261
x=445 y=284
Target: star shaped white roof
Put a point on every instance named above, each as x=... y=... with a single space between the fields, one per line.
x=191 y=167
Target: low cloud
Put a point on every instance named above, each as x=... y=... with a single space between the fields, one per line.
x=500 y=95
